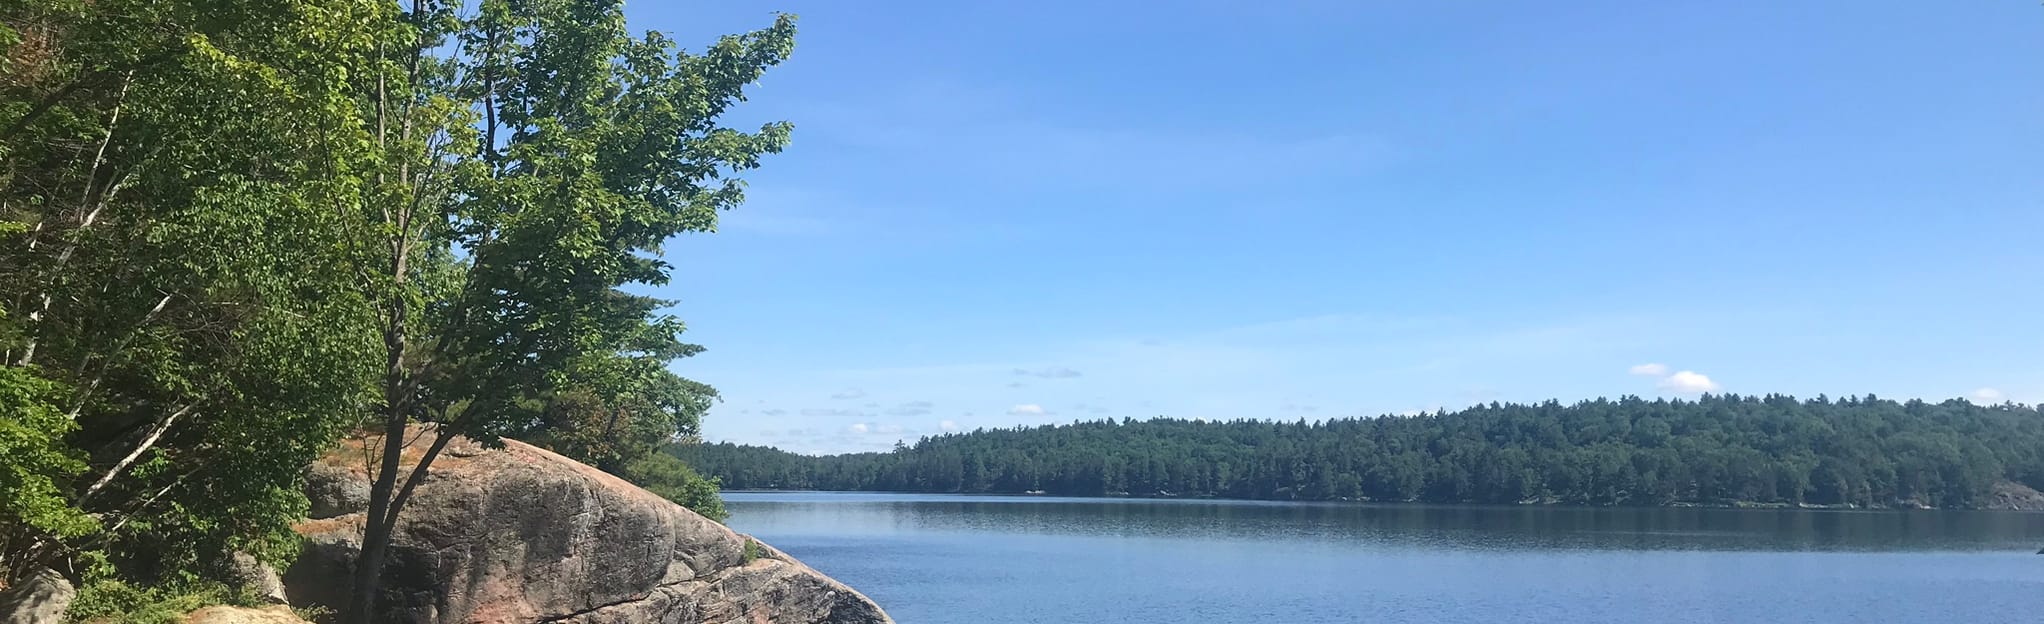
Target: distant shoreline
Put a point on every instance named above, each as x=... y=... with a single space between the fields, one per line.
x=1415 y=503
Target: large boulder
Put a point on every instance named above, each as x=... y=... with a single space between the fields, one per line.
x=521 y=535
x=39 y=599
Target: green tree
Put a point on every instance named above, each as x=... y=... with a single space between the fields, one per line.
x=530 y=159
x=617 y=410
x=1716 y=450
x=175 y=349
x=663 y=474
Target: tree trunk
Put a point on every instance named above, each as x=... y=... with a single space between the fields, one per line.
x=376 y=535
x=368 y=577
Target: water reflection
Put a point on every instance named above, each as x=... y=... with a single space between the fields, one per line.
x=1396 y=526
x=991 y=560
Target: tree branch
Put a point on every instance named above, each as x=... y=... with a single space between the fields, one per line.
x=442 y=435
x=156 y=433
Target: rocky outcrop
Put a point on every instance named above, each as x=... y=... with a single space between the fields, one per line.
x=2012 y=495
x=521 y=535
x=40 y=599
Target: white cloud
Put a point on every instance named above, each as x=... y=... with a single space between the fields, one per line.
x=1649 y=370
x=1027 y=409
x=860 y=428
x=853 y=393
x=1989 y=396
x=1688 y=382
x=948 y=425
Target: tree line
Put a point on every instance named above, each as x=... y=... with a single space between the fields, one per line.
x=1723 y=449
x=233 y=231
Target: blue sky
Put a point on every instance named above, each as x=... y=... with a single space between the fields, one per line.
x=1021 y=213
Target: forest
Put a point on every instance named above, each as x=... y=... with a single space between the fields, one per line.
x=1716 y=450
x=233 y=232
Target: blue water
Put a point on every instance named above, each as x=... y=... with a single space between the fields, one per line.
x=937 y=559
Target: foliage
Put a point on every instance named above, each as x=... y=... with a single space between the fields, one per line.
x=752 y=551
x=113 y=600
x=621 y=412
x=1864 y=452
x=230 y=228
x=662 y=474
x=35 y=462
x=175 y=345
x=527 y=162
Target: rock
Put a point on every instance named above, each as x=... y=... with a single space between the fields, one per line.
x=41 y=599
x=335 y=490
x=521 y=535
x=2012 y=495
x=258 y=577
x=274 y=614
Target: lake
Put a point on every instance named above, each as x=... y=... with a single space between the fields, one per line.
x=952 y=559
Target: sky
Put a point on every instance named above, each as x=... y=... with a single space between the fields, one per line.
x=1006 y=213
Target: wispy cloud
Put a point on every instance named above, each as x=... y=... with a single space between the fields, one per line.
x=1989 y=396
x=1051 y=372
x=911 y=408
x=947 y=426
x=944 y=127
x=849 y=394
x=831 y=412
x=1312 y=366
x=1649 y=370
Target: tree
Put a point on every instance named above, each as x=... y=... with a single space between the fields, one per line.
x=617 y=410
x=168 y=173
x=530 y=159
x=1716 y=450
x=663 y=474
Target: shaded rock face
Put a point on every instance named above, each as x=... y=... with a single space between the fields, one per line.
x=257 y=577
x=41 y=599
x=521 y=535
x=335 y=491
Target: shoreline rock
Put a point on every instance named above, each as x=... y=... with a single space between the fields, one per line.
x=521 y=535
